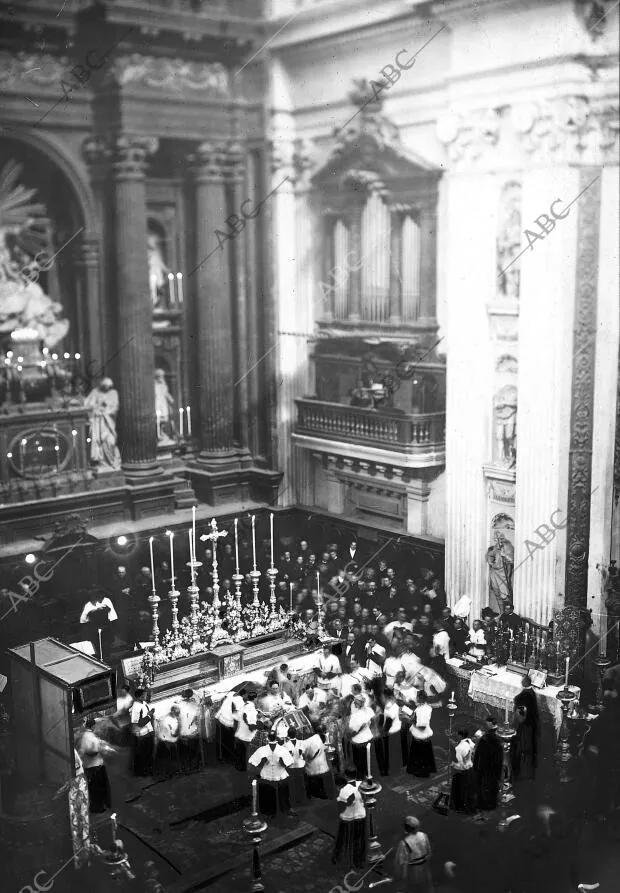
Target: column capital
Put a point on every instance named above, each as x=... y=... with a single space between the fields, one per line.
x=131 y=155
x=469 y=134
x=568 y=130
x=210 y=160
x=291 y=159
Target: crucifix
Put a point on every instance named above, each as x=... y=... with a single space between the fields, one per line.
x=219 y=636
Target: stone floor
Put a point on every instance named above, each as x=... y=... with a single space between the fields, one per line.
x=191 y=828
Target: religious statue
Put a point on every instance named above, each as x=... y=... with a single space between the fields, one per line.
x=505 y=416
x=509 y=243
x=103 y=405
x=158 y=271
x=23 y=303
x=501 y=561
x=163 y=404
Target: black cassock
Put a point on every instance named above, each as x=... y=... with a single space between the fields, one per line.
x=488 y=763
x=524 y=746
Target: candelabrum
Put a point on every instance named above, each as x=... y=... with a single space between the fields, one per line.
x=255 y=575
x=154 y=602
x=194 y=592
x=238 y=580
x=320 y=629
x=176 y=637
x=369 y=790
x=506 y=733
x=255 y=826
x=272 y=573
x=443 y=801
x=601 y=663
x=563 y=755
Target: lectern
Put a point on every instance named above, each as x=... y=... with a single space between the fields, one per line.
x=52 y=686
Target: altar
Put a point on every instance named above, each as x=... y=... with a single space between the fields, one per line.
x=480 y=693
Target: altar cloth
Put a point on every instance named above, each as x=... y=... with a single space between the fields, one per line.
x=500 y=690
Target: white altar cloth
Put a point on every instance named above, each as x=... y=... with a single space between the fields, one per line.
x=500 y=690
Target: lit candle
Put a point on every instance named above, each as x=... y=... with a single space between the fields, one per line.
x=191 y=556
x=236 y=548
x=57 y=451
x=180 y=286
x=113 y=825
x=290 y=585
x=180 y=421
x=188 y=413
x=172 y=559
x=158 y=418
x=368 y=772
x=506 y=713
x=271 y=526
x=171 y=287
x=566 y=673
x=74 y=438
x=193 y=533
x=254 y=796
x=152 y=562
x=22 y=453
x=254 y=540
x=558 y=646
x=318 y=585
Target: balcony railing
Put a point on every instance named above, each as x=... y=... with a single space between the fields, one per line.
x=409 y=434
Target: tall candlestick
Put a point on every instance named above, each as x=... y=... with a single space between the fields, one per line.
x=271 y=526
x=254 y=796
x=318 y=583
x=236 y=547
x=506 y=713
x=152 y=562
x=191 y=554
x=254 y=539
x=193 y=533
x=188 y=414
x=171 y=560
x=181 y=411
x=57 y=451
x=180 y=286
x=290 y=586
x=74 y=439
x=158 y=422
x=368 y=772
x=566 y=673
x=113 y=825
x=171 y=287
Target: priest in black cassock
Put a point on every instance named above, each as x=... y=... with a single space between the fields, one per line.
x=524 y=746
x=488 y=765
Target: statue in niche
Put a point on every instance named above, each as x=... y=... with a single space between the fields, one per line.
x=505 y=419
x=158 y=271
x=103 y=405
x=163 y=409
x=509 y=243
x=500 y=558
x=23 y=256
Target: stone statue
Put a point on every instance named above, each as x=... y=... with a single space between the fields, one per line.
x=501 y=561
x=505 y=418
x=509 y=242
x=158 y=271
x=103 y=405
x=163 y=408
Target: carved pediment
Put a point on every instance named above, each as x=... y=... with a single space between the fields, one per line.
x=367 y=150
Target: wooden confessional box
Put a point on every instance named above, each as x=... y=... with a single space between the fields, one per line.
x=53 y=686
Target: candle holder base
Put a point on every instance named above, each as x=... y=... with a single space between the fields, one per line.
x=369 y=787
x=254 y=824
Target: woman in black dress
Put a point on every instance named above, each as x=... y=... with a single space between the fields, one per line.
x=524 y=746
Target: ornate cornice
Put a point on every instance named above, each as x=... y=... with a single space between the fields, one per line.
x=211 y=78
x=570 y=130
x=39 y=69
x=468 y=135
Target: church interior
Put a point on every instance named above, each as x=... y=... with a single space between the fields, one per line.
x=309 y=453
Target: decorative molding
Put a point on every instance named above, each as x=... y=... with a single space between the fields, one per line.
x=569 y=130
x=468 y=135
x=211 y=78
x=132 y=153
x=582 y=393
x=40 y=69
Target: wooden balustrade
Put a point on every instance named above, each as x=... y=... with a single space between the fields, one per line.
x=388 y=430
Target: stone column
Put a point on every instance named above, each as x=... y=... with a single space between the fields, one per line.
x=329 y=263
x=236 y=158
x=428 y=262
x=396 y=267
x=137 y=429
x=88 y=262
x=212 y=287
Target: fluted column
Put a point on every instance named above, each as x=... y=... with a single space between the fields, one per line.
x=428 y=262
x=236 y=158
x=88 y=262
x=329 y=262
x=135 y=361
x=214 y=335
x=396 y=267
x=355 y=253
